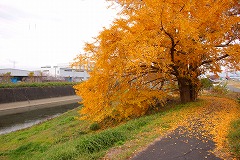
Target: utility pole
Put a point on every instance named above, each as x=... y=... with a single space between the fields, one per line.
x=55 y=71
x=13 y=62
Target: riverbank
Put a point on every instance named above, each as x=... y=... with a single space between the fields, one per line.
x=233 y=86
x=65 y=137
x=18 y=107
x=18 y=94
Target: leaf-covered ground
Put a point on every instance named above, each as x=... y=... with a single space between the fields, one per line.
x=213 y=121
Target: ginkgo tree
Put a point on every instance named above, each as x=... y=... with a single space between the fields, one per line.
x=154 y=48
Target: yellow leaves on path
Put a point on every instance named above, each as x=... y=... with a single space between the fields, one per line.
x=212 y=121
x=208 y=119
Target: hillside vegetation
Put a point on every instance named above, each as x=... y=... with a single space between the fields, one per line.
x=41 y=84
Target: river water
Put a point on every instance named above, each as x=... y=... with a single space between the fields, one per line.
x=14 y=122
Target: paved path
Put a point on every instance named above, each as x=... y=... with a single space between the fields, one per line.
x=233 y=88
x=178 y=146
x=18 y=107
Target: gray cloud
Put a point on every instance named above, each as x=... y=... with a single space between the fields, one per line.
x=11 y=13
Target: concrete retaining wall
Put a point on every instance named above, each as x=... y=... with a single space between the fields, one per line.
x=8 y=95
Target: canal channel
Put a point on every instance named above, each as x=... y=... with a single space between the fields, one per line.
x=14 y=122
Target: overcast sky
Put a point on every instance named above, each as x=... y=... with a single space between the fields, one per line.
x=35 y=33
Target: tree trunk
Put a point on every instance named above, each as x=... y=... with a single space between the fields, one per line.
x=188 y=91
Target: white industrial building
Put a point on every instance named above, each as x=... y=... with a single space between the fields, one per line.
x=65 y=73
x=47 y=73
x=17 y=75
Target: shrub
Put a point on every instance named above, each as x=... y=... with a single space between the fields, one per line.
x=206 y=83
x=43 y=84
x=101 y=141
x=95 y=126
x=220 y=89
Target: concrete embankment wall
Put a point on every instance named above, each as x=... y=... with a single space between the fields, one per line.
x=9 y=95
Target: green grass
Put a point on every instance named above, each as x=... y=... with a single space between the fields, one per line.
x=43 y=84
x=65 y=137
x=234 y=138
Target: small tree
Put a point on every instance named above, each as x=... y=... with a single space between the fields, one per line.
x=206 y=83
x=40 y=76
x=6 y=77
x=31 y=76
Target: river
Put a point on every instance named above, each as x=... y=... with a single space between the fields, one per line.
x=14 y=122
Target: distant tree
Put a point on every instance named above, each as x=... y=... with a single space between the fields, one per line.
x=206 y=83
x=40 y=76
x=154 y=46
x=31 y=76
x=6 y=77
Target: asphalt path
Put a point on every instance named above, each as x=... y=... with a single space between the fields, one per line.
x=179 y=146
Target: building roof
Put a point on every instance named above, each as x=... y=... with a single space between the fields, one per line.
x=18 y=72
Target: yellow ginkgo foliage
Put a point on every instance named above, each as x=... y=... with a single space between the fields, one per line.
x=153 y=46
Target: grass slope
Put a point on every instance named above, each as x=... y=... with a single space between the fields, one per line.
x=234 y=138
x=65 y=137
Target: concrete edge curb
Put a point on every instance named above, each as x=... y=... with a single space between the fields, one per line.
x=37 y=105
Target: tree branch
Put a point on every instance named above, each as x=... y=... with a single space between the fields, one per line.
x=154 y=80
x=162 y=83
x=182 y=8
x=226 y=44
x=181 y=52
x=137 y=77
x=217 y=59
x=155 y=69
x=172 y=44
x=175 y=69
